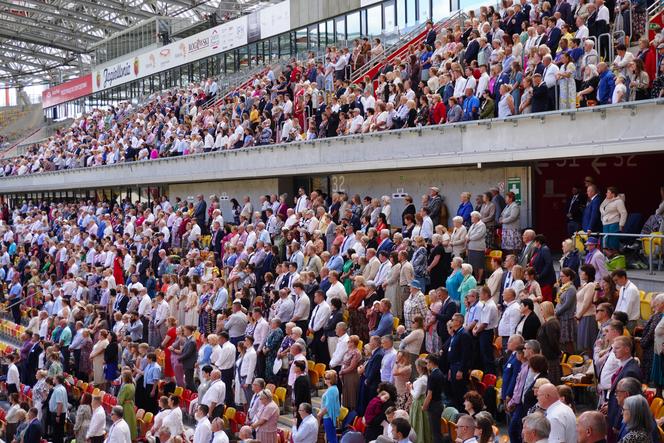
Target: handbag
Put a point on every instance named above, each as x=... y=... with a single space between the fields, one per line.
x=276 y=366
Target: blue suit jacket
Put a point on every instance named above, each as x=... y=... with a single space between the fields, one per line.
x=510 y=371
x=460 y=353
x=372 y=369
x=386 y=245
x=33 y=433
x=591 y=220
x=385 y=325
x=631 y=369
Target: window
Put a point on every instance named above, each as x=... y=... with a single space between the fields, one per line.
x=322 y=35
x=374 y=20
x=313 y=37
x=441 y=9
x=285 y=44
x=425 y=11
x=410 y=12
x=330 y=32
x=341 y=29
x=301 y=40
x=401 y=14
x=353 y=26
x=388 y=16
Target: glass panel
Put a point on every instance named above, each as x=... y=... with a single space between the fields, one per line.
x=285 y=42
x=441 y=9
x=322 y=35
x=353 y=26
x=410 y=12
x=374 y=20
x=401 y=14
x=388 y=15
x=243 y=58
x=341 y=29
x=301 y=40
x=230 y=62
x=330 y=32
x=313 y=37
x=274 y=48
x=425 y=11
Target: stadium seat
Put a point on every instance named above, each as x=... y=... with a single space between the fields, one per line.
x=477 y=374
x=396 y=323
x=358 y=425
x=575 y=360
x=444 y=426
x=311 y=365
x=280 y=395
x=271 y=387
x=360 y=345
x=649 y=395
x=178 y=392
x=343 y=412
x=229 y=414
x=320 y=369
x=453 y=431
x=140 y=413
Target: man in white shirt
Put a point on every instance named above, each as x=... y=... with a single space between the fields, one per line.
x=261 y=330
x=97 y=426
x=119 y=430
x=356 y=122
x=581 y=29
x=336 y=289
x=536 y=428
x=560 y=416
x=216 y=392
x=302 y=306
x=203 y=432
x=307 y=431
x=161 y=315
x=342 y=345
x=511 y=316
x=629 y=300
x=226 y=364
x=427 y=224
x=219 y=436
x=466 y=429
x=484 y=329
x=383 y=269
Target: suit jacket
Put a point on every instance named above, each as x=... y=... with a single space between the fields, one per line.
x=122 y=303
x=471 y=51
x=372 y=369
x=575 y=207
x=216 y=242
x=554 y=39
x=510 y=371
x=542 y=261
x=189 y=354
x=33 y=433
x=531 y=326
x=459 y=355
x=386 y=245
x=448 y=309
x=630 y=369
x=529 y=398
x=591 y=220
x=540 y=98
x=199 y=212
x=301 y=390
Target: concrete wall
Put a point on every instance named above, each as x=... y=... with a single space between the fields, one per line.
x=451 y=181
x=305 y=12
x=611 y=130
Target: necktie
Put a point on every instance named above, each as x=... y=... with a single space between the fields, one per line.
x=313 y=317
x=508 y=279
x=615 y=376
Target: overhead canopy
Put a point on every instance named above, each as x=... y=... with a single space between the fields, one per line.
x=49 y=41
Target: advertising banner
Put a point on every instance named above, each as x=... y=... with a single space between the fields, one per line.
x=71 y=90
x=212 y=41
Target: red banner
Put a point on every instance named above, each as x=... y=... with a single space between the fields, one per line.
x=71 y=90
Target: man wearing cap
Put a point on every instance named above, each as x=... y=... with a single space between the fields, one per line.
x=596 y=259
x=414 y=305
x=435 y=205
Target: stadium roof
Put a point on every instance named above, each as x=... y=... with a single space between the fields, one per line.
x=48 y=41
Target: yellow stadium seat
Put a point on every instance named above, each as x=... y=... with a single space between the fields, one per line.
x=656 y=406
x=320 y=369
x=229 y=414
x=646 y=310
x=343 y=412
x=311 y=365
x=396 y=323
x=423 y=356
x=178 y=392
x=566 y=369
x=360 y=345
x=477 y=374
x=573 y=360
x=280 y=395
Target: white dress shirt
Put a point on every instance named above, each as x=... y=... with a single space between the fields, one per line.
x=145 y=305
x=173 y=421
x=319 y=316
x=490 y=315
x=220 y=437
x=249 y=366
x=307 y=432
x=563 y=423
x=337 y=290
x=510 y=319
x=119 y=432
x=13 y=377
x=340 y=351
x=216 y=393
x=203 y=433
x=549 y=75
x=261 y=332
x=226 y=357
x=97 y=425
x=629 y=301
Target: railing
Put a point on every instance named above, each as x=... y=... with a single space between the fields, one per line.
x=402 y=45
x=649 y=237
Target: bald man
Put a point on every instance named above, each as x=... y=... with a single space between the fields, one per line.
x=466 y=429
x=591 y=427
x=561 y=416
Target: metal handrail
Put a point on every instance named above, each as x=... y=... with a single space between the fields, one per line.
x=655 y=8
x=622 y=234
x=398 y=45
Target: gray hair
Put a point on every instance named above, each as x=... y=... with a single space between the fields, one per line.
x=467 y=267
x=118 y=411
x=534 y=345
x=458 y=218
x=630 y=385
x=476 y=214
x=640 y=416
x=539 y=424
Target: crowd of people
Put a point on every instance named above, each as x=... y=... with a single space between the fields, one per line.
x=141 y=299
x=521 y=58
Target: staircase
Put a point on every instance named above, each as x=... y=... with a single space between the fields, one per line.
x=402 y=47
x=17 y=121
x=655 y=14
